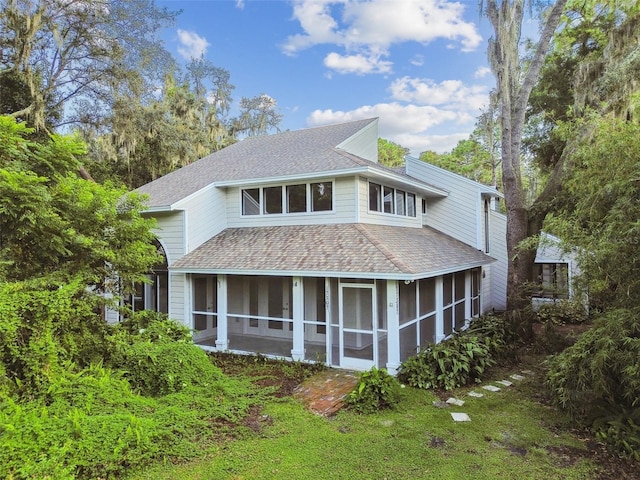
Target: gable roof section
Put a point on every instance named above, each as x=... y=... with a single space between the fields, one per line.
x=346 y=250
x=297 y=154
x=287 y=153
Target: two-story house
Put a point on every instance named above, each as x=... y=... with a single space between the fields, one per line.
x=300 y=245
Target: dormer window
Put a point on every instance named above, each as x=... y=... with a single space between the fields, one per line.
x=386 y=199
x=298 y=198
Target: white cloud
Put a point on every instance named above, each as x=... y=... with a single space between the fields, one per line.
x=240 y=4
x=368 y=28
x=482 y=72
x=192 y=45
x=407 y=125
x=449 y=93
x=358 y=64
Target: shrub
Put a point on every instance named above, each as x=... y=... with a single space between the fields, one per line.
x=597 y=380
x=464 y=357
x=376 y=390
x=562 y=313
x=158 y=355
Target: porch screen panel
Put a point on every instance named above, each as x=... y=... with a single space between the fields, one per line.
x=408 y=341
x=460 y=293
x=427 y=287
x=427 y=331
x=447 y=301
x=407 y=302
x=475 y=292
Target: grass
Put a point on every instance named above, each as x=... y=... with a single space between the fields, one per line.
x=511 y=436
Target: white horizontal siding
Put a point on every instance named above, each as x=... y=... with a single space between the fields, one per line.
x=177 y=299
x=206 y=216
x=343 y=209
x=457 y=215
x=364 y=143
x=170 y=231
x=498 y=250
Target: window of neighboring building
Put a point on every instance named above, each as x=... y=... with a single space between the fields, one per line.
x=300 y=198
x=553 y=280
x=386 y=199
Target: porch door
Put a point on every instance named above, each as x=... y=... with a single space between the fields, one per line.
x=358 y=345
x=269 y=297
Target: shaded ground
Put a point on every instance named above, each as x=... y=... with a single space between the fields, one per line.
x=288 y=379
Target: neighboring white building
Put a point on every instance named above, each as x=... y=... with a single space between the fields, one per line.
x=301 y=245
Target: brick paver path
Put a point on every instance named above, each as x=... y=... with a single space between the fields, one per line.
x=324 y=392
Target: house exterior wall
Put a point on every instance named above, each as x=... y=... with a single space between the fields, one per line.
x=464 y=199
x=497 y=284
x=344 y=208
x=205 y=217
x=364 y=143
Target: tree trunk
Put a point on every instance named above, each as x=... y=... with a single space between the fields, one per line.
x=514 y=89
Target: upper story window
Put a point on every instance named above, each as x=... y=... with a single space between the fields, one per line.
x=391 y=200
x=298 y=198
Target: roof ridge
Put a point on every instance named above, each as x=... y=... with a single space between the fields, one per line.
x=399 y=264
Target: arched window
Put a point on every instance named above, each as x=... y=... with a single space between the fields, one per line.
x=153 y=295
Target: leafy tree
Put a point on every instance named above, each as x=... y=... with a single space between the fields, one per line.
x=73 y=52
x=258 y=115
x=601 y=216
x=391 y=154
x=53 y=223
x=515 y=82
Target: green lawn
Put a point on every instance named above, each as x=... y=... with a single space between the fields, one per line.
x=510 y=436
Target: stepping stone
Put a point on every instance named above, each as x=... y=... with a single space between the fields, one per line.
x=460 y=417
x=439 y=404
x=506 y=383
x=517 y=377
x=455 y=401
x=476 y=394
x=528 y=372
x=491 y=388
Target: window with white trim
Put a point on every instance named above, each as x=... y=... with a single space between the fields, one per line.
x=279 y=199
x=553 y=280
x=385 y=199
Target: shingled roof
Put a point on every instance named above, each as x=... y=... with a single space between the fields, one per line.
x=374 y=251
x=289 y=153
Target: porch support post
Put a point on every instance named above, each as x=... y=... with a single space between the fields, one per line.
x=439 y=310
x=393 y=328
x=222 y=340
x=297 y=353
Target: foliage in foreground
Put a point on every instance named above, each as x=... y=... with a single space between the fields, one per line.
x=65 y=414
x=597 y=380
x=376 y=390
x=461 y=359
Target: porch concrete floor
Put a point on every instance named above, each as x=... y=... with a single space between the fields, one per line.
x=324 y=393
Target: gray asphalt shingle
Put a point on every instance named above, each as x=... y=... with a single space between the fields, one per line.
x=339 y=248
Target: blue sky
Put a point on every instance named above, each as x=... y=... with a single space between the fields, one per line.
x=418 y=65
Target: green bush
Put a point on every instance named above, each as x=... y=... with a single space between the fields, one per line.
x=462 y=358
x=375 y=391
x=158 y=356
x=562 y=313
x=597 y=380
